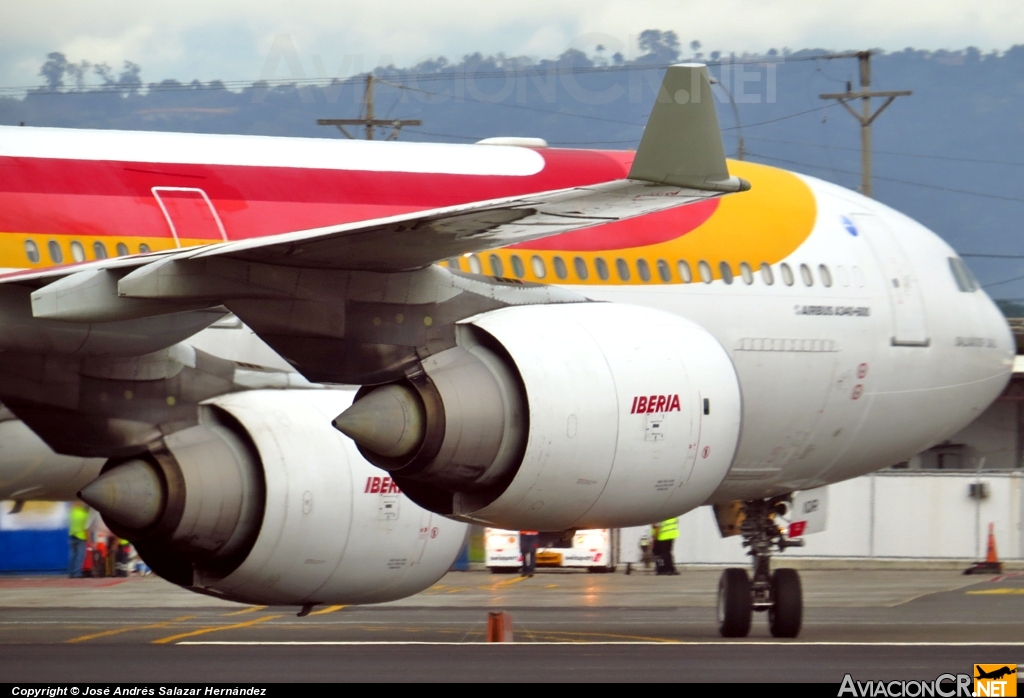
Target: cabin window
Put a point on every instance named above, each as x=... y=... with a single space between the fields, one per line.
x=602 y=268
x=581 y=268
x=474 y=264
x=122 y=249
x=77 y=251
x=746 y=273
x=962 y=275
x=56 y=253
x=843 y=275
x=767 y=276
x=685 y=273
x=664 y=272
x=644 y=270
x=99 y=250
x=540 y=270
x=826 y=276
x=144 y=248
x=497 y=267
x=622 y=268
x=560 y=271
x=726 y=271
x=787 y=274
x=806 y=275
x=705 y=271
x=32 y=251
x=517 y=267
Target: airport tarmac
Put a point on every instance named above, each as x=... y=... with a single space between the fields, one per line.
x=874 y=624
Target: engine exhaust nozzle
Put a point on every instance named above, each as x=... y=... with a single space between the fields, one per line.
x=131 y=495
x=390 y=421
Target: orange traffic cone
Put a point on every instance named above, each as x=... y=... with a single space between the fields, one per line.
x=991 y=564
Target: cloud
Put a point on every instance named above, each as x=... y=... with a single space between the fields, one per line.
x=230 y=39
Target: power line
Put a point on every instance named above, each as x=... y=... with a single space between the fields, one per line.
x=432 y=76
x=1004 y=281
x=782 y=118
x=630 y=140
x=893 y=152
x=515 y=106
x=899 y=181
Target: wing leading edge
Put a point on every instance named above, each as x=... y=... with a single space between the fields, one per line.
x=680 y=161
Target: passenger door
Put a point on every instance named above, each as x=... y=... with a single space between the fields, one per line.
x=910 y=325
x=190 y=215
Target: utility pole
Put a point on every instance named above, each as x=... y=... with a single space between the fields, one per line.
x=866 y=117
x=367 y=120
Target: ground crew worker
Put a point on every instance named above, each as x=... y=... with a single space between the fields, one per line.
x=122 y=558
x=78 y=527
x=528 y=547
x=665 y=534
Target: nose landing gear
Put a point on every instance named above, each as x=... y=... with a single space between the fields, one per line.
x=777 y=592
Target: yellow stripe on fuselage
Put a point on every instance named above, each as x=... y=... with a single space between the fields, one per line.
x=14 y=253
x=765 y=224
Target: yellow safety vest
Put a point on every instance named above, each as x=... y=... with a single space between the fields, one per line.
x=78 y=521
x=669 y=529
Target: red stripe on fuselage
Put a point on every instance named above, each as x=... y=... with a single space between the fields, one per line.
x=39 y=195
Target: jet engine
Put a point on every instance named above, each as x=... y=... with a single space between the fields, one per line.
x=551 y=417
x=263 y=502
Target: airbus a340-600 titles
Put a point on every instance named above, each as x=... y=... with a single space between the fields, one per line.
x=545 y=339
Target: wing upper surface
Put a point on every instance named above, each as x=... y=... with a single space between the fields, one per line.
x=680 y=161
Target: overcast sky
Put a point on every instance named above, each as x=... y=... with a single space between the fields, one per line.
x=230 y=39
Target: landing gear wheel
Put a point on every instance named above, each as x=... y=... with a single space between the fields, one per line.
x=787 y=611
x=734 y=603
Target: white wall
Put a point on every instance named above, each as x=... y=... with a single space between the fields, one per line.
x=920 y=515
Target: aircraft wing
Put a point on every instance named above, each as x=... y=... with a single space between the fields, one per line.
x=92 y=360
x=680 y=160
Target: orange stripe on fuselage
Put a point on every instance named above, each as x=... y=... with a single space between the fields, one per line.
x=13 y=254
x=765 y=224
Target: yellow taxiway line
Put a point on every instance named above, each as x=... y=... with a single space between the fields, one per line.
x=118 y=631
x=213 y=629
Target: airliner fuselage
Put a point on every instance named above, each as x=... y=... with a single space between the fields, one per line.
x=858 y=336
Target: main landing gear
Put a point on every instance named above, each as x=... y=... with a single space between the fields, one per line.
x=777 y=592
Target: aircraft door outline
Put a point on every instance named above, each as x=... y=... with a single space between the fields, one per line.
x=170 y=219
x=909 y=320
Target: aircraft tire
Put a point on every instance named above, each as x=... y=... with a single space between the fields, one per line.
x=787 y=611
x=735 y=606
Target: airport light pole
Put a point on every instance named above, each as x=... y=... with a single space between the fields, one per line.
x=865 y=117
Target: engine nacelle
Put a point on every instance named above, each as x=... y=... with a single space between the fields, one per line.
x=263 y=502
x=553 y=417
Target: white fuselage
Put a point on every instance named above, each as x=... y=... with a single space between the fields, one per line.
x=842 y=380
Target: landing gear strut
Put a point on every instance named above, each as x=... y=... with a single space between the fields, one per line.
x=777 y=592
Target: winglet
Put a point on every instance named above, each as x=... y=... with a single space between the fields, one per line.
x=682 y=144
